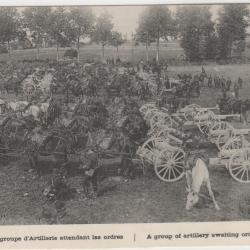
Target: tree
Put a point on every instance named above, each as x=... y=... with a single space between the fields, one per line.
x=81 y=25
x=58 y=23
x=231 y=28
x=37 y=21
x=157 y=22
x=196 y=31
x=116 y=41
x=9 y=25
x=103 y=30
x=143 y=36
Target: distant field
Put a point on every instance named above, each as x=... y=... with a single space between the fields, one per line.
x=89 y=52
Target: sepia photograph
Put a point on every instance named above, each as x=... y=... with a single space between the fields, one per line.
x=124 y=114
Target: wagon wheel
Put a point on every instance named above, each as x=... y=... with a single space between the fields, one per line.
x=144 y=108
x=239 y=166
x=148 y=115
x=190 y=114
x=14 y=133
x=156 y=129
x=237 y=142
x=161 y=118
x=151 y=148
x=205 y=119
x=220 y=133
x=169 y=165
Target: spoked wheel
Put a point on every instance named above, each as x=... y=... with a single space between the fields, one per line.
x=149 y=114
x=205 y=119
x=156 y=129
x=220 y=133
x=144 y=108
x=13 y=133
x=237 y=142
x=161 y=118
x=151 y=148
x=190 y=114
x=239 y=166
x=169 y=165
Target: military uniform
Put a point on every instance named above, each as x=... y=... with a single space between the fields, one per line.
x=91 y=172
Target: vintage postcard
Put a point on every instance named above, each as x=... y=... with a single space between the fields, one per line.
x=124 y=125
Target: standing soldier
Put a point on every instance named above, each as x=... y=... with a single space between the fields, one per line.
x=215 y=81
x=210 y=80
x=128 y=152
x=91 y=172
x=228 y=84
x=223 y=82
x=236 y=90
x=167 y=82
x=240 y=83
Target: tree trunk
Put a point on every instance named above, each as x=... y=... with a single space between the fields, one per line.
x=147 y=48
x=37 y=51
x=230 y=49
x=9 y=48
x=103 y=59
x=117 y=53
x=158 y=46
x=78 y=49
x=57 y=52
x=132 y=53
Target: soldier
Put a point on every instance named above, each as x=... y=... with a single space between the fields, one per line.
x=228 y=84
x=91 y=172
x=167 y=83
x=223 y=82
x=224 y=91
x=128 y=152
x=210 y=80
x=236 y=90
x=240 y=83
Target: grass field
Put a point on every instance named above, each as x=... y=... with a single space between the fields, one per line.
x=94 y=52
x=144 y=199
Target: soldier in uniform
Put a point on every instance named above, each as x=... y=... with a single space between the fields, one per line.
x=236 y=90
x=210 y=80
x=228 y=84
x=90 y=166
x=128 y=152
x=240 y=83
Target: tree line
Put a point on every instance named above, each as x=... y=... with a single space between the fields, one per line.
x=201 y=35
x=63 y=26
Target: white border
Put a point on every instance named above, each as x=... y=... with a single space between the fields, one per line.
x=111 y=2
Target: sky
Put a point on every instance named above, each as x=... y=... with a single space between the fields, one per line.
x=125 y=18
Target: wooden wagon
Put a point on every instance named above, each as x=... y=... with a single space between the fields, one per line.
x=235 y=156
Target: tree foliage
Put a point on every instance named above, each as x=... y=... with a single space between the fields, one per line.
x=9 y=25
x=232 y=24
x=58 y=23
x=156 y=22
x=196 y=30
x=103 y=30
x=116 y=39
x=37 y=21
x=81 y=24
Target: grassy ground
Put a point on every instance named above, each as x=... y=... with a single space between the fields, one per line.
x=142 y=200
x=94 y=52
